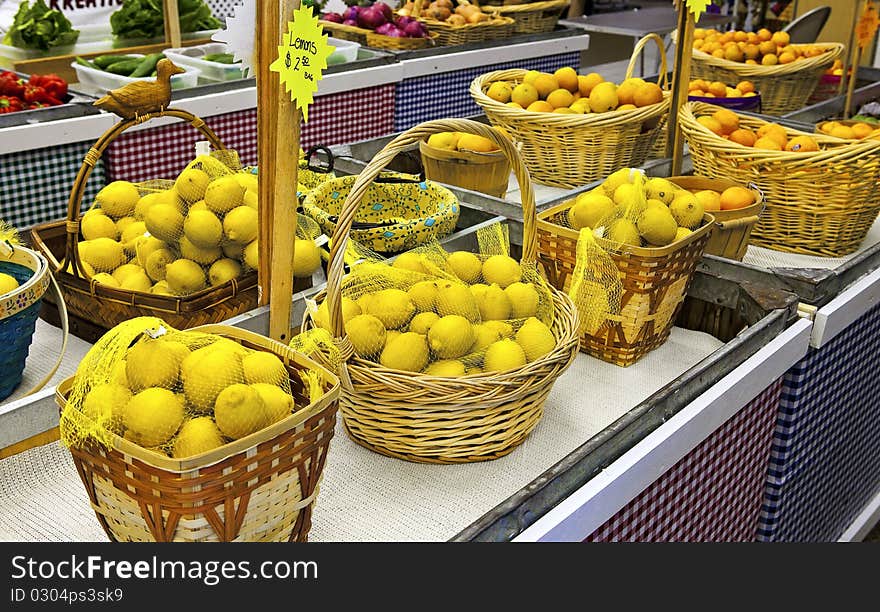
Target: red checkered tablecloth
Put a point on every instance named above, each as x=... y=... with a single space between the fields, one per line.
x=711 y=495
x=162 y=152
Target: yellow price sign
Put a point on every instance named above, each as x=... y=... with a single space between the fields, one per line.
x=302 y=58
x=697 y=7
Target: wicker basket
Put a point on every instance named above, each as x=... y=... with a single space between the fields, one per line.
x=784 y=88
x=532 y=17
x=819 y=203
x=496 y=28
x=259 y=488
x=730 y=236
x=655 y=282
x=569 y=151
x=484 y=172
x=369 y=38
x=19 y=310
x=431 y=419
x=345 y=32
x=107 y=306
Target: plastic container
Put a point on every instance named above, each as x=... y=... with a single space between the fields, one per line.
x=92 y=38
x=346 y=51
x=100 y=81
x=119 y=43
x=191 y=57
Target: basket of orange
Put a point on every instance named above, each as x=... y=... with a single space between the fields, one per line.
x=821 y=192
x=786 y=74
x=740 y=97
x=466 y=160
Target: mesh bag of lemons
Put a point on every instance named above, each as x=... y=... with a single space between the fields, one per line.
x=176 y=393
x=446 y=314
x=179 y=237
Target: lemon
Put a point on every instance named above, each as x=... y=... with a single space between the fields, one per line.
x=251 y=255
x=206 y=372
x=279 y=403
x=687 y=210
x=407 y=352
x=589 y=210
x=240 y=411
x=603 y=97
x=500 y=91
x=657 y=226
x=247 y=180
x=504 y=355
x=535 y=338
x=167 y=196
x=623 y=231
x=98 y=226
x=479 y=290
x=164 y=222
x=367 y=335
x=494 y=304
x=451 y=336
x=444 y=140
x=409 y=261
x=660 y=189
x=350 y=309
x=447 y=368
x=191 y=184
x=465 y=266
x=240 y=225
x=223 y=194
x=105 y=405
x=627 y=195
x=152 y=363
x=153 y=416
x=592 y=306
x=157 y=262
x=124 y=271
x=203 y=229
x=131 y=236
x=653 y=202
x=263 y=367
x=393 y=307
x=618 y=178
x=306 y=257
x=682 y=233
x=8 y=283
x=197 y=436
x=391 y=335
x=105 y=279
x=484 y=336
x=422 y=322
x=502 y=270
x=123 y=223
x=184 y=276
x=138 y=281
x=250 y=199
x=161 y=288
x=505 y=330
x=204 y=256
x=118 y=199
x=90 y=272
x=233 y=250
x=146 y=246
x=457 y=299
x=524 y=300
x=103 y=254
x=200 y=205
x=424 y=295
x=223 y=271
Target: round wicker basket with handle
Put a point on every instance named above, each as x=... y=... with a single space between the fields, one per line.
x=568 y=151
x=432 y=419
x=817 y=203
x=531 y=17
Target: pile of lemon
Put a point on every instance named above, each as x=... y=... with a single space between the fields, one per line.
x=8 y=283
x=566 y=91
x=854 y=130
x=630 y=209
x=182 y=395
x=199 y=233
x=484 y=317
x=763 y=47
x=462 y=141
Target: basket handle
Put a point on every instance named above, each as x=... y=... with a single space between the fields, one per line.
x=663 y=80
x=91 y=159
x=407 y=139
x=65 y=331
x=327 y=153
x=737 y=223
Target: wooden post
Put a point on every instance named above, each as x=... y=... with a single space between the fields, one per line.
x=856 y=60
x=172 y=23
x=848 y=61
x=278 y=127
x=681 y=76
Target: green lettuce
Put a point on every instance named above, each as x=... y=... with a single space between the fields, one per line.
x=143 y=18
x=39 y=27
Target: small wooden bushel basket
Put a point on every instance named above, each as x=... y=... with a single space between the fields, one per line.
x=484 y=172
x=102 y=307
x=259 y=488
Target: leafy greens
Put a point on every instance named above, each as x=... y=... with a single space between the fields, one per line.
x=39 y=27
x=144 y=18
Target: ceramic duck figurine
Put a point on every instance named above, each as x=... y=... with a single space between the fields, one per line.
x=142 y=97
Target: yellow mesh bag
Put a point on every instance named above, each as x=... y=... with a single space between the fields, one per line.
x=177 y=393
x=596 y=287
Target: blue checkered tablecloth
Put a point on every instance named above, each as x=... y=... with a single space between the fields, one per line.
x=35 y=185
x=438 y=96
x=825 y=459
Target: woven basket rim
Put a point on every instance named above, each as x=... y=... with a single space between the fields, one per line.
x=36 y=262
x=462 y=154
x=833 y=50
x=529 y=7
x=235 y=447
x=495 y=21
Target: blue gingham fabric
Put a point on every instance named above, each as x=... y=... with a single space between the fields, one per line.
x=35 y=185
x=447 y=94
x=825 y=458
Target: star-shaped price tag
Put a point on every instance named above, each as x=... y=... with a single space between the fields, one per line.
x=239 y=34
x=697 y=7
x=302 y=57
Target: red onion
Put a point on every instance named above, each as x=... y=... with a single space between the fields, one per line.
x=351 y=13
x=371 y=18
x=386 y=10
x=334 y=17
x=414 y=29
x=350 y=22
x=403 y=21
x=389 y=29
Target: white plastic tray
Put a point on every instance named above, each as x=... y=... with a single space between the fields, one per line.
x=99 y=81
x=346 y=51
x=92 y=38
x=191 y=57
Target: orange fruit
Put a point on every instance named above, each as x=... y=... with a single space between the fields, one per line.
x=749 y=94
x=734 y=54
x=781 y=38
x=514 y=105
x=540 y=107
x=734 y=93
x=586 y=82
x=751 y=62
x=786 y=58
x=745 y=86
x=648 y=94
x=774 y=131
x=745 y=137
x=843 y=131
x=565 y=110
x=752 y=38
x=767 y=143
x=828 y=126
x=711 y=200
x=736 y=197
x=697 y=92
x=530 y=76
x=626 y=91
x=719 y=53
x=752 y=52
x=769 y=60
x=767 y=48
x=708 y=94
x=802 y=144
x=524 y=94
x=862 y=130
x=567 y=78
x=560 y=98
x=728 y=120
x=700 y=33
x=764 y=34
x=711 y=124
x=717 y=88
x=545 y=84
x=626 y=107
